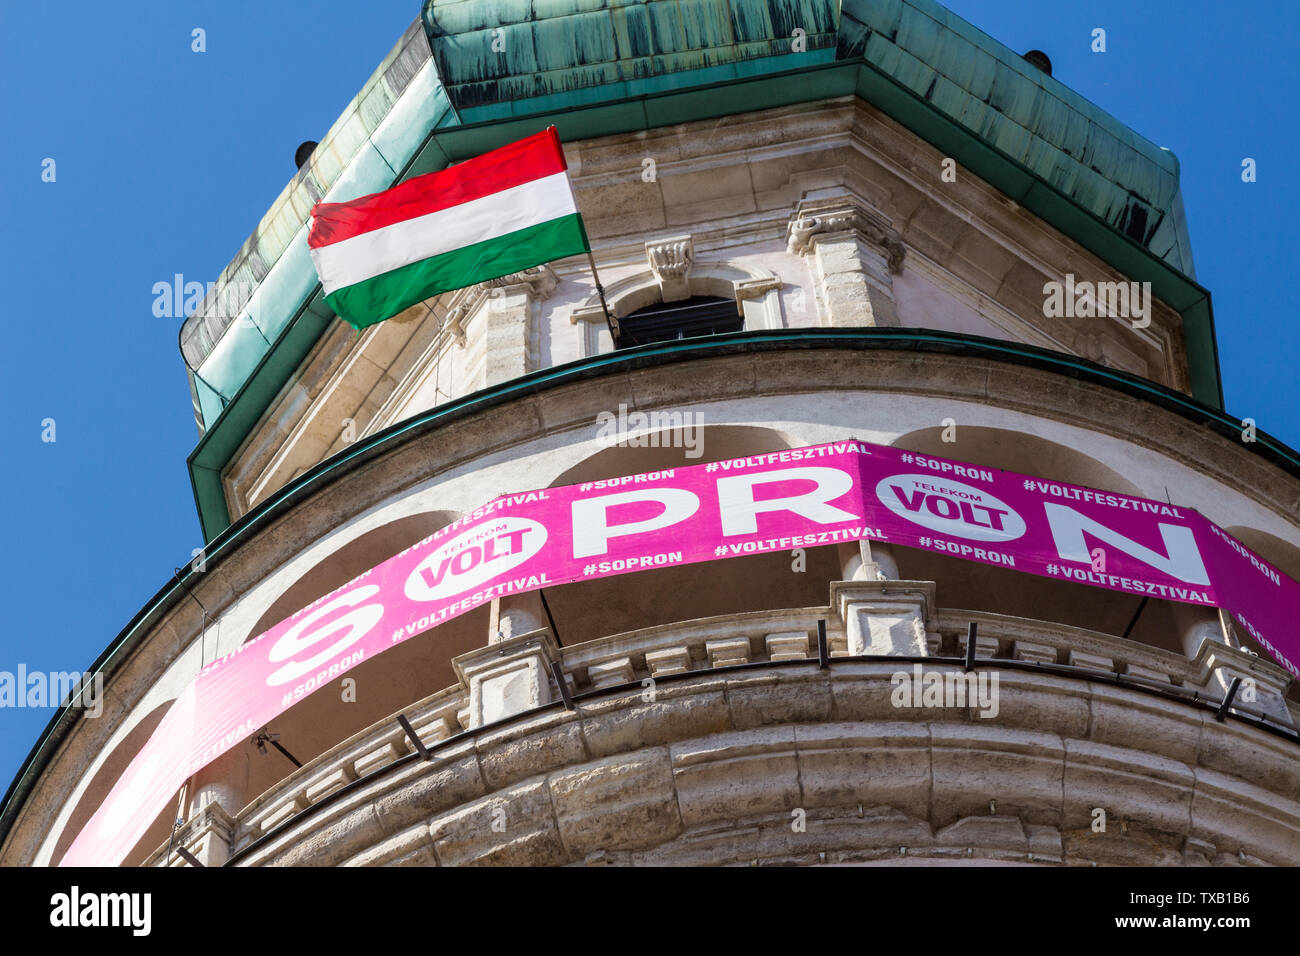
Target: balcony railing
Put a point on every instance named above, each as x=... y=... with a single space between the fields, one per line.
x=737 y=641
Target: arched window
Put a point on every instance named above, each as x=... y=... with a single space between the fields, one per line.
x=381 y=685
x=669 y=321
x=738 y=295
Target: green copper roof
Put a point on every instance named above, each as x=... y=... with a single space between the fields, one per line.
x=510 y=59
x=470 y=76
x=1033 y=118
x=263 y=289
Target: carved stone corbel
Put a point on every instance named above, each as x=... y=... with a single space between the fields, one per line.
x=670 y=261
x=833 y=217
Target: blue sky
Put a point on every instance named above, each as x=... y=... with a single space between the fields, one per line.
x=166 y=159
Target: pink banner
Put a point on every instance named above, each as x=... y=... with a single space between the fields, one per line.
x=806 y=497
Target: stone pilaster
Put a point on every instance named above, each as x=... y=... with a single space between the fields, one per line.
x=885 y=617
x=508 y=677
x=1263 y=683
x=854 y=253
x=510 y=333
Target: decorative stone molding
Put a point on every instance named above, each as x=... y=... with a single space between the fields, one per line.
x=702 y=754
x=787 y=646
x=1105 y=349
x=508 y=345
x=759 y=301
x=986 y=646
x=854 y=254
x=324 y=786
x=999 y=636
x=610 y=673
x=272 y=816
x=670 y=660
x=1138 y=672
x=670 y=262
x=587 y=313
x=1098 y=662
x=708 y=777
x=748 y=290
x=593 y=330
x=826 y=218
x=540 y=281
x=456 y=318
x=727 y=653
x=1031 y=651
x=536 y=283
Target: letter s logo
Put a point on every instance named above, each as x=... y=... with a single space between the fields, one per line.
x=357 y=623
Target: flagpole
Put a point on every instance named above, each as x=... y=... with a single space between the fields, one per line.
x=600 y=290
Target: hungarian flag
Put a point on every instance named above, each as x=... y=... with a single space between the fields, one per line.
x=504 y=211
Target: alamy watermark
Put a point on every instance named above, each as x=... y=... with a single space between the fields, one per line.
x=52 y=689
x=75 y=908
x=1098 y=300
x=656 y=429
x=177 y=299
x=922 y=688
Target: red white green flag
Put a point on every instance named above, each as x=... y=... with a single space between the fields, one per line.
x=504 y=211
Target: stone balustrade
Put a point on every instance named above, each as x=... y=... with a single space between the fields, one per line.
x=507 y=688
x=1001 y=637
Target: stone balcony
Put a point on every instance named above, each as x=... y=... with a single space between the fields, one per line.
x=689 y=690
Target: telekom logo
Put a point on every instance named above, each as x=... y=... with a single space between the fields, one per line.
x=951 y=507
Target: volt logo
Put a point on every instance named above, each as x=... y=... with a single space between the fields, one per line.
x=475 y=557
x=950 y=507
